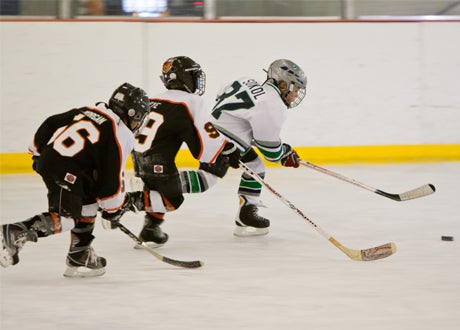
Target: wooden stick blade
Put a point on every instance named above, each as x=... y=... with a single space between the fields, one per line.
x=378 y=252
x=375 y=253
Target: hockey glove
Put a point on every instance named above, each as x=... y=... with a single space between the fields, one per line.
x=290 y=157
x=34 y=162
x=218 y=168
x=233 y=154
x=229 y=156
x=114 y=216
x=128 y=205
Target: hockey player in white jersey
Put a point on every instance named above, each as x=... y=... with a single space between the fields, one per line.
x=251 y=114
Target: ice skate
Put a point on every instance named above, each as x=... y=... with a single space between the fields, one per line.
x=13 y=237
x=248 y=222
x=83 y=262
x=151 y=233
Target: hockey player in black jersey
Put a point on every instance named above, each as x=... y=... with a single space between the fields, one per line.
x=177 y=116
x=81 y=155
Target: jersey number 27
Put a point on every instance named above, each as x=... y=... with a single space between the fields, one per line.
x=243 y=100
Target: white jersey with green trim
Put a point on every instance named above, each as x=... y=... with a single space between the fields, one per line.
x=250 y=113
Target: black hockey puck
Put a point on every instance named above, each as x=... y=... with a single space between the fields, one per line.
x=447 y=238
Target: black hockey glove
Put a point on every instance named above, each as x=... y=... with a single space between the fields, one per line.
x=233 y=154
x=290 y=157
x=128 y=205
x=114 y=216
x=218 y=168
x=229 y=156
x=34 y=162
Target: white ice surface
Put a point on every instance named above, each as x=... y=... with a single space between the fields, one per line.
x=292 y=279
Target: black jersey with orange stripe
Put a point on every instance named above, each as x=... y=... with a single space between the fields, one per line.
x=178 y=117
x=91 y=141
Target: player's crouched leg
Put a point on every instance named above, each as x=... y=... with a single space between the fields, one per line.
x=151 y=232
x=81 y=260
x=15 y=235
x=167 y=198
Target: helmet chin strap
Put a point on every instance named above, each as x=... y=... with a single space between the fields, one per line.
x=288 y=104
x=284 y=95
x=188 y=89
x=141 y=126
x=103 y=103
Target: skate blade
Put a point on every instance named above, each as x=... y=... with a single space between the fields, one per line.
x=152 y=245
x=73 y=272
x=249 y=231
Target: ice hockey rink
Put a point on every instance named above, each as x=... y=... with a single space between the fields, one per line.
x=291 y=279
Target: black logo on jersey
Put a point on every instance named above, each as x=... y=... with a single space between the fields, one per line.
x=97 y=118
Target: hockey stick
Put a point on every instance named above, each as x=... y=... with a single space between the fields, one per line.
x=179 y=263
x=421 y=191
x=378 y=252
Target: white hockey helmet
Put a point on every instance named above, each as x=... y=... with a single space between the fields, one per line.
x=289 y=72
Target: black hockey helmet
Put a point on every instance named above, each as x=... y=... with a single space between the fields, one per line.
x=131 y=104
x=183 y=73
